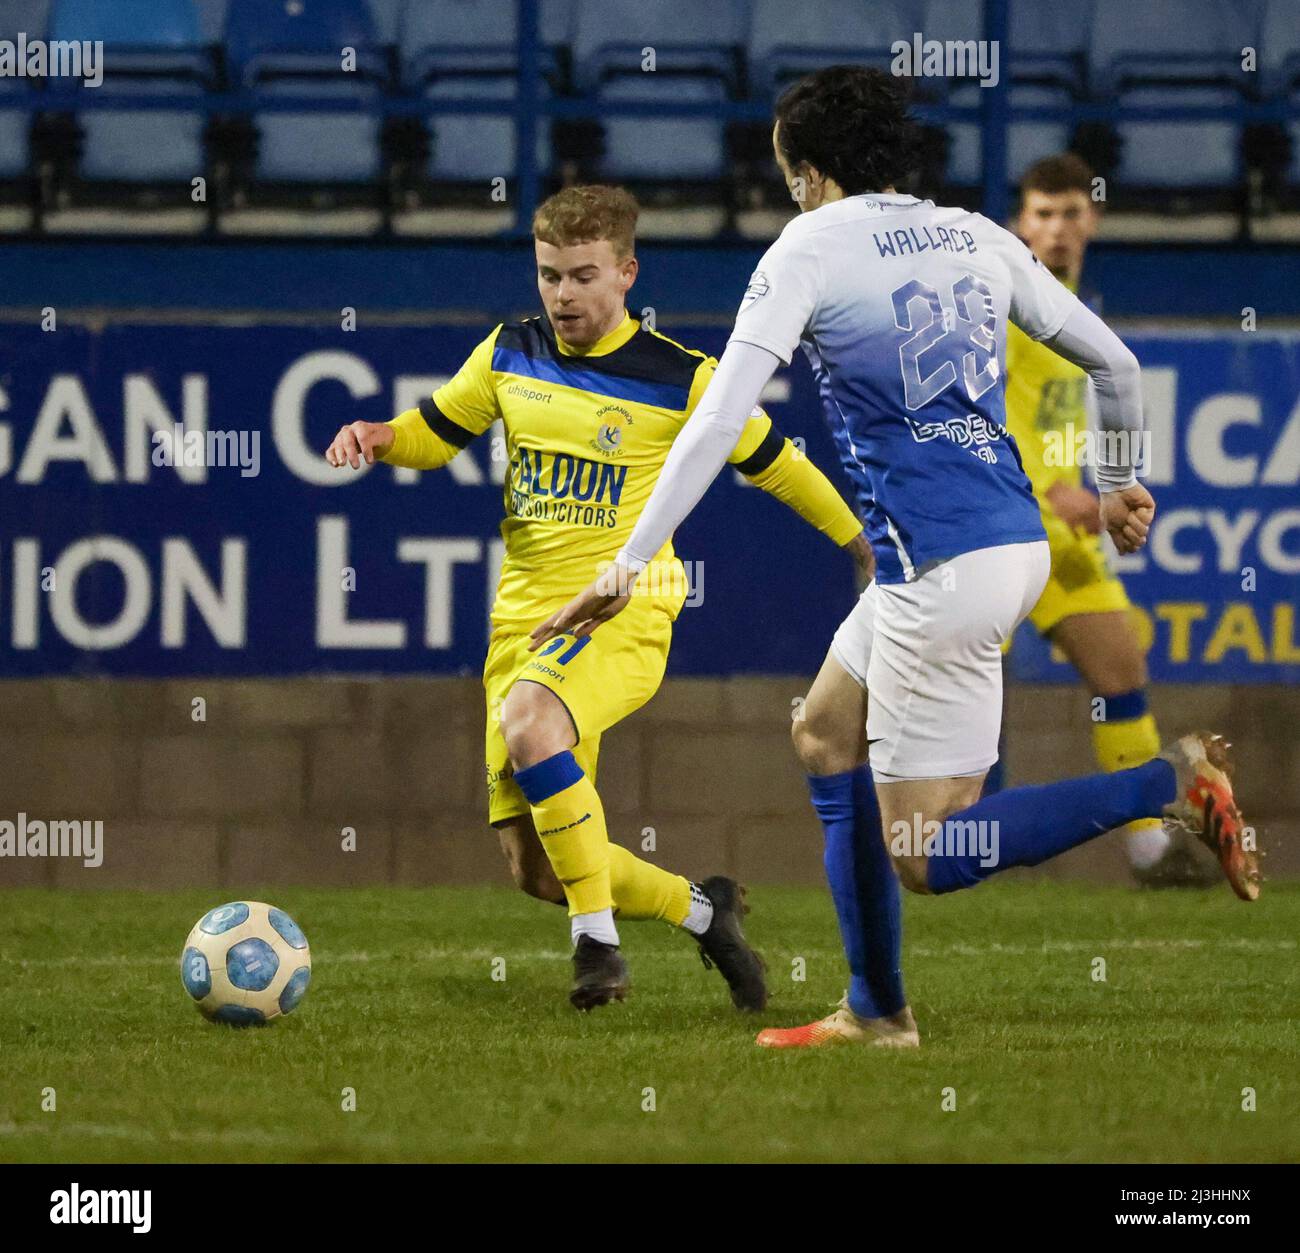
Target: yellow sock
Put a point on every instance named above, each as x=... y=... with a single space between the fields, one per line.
x=1119 y=745
x=570 y=821
x=1126 y=742
x=642 y=891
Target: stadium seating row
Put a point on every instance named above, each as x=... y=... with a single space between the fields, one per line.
x=1088 y=45
x=1184 y=53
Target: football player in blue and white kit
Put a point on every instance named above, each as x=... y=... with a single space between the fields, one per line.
x=901 y=308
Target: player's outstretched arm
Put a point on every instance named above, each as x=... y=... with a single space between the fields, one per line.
x=359 y=443
x=430 y=435
x=796 y=482
x=407 y=440
x=701 y=449
x=786 y=473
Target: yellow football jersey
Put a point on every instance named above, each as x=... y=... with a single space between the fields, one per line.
x=1046 y=409
x=587 y=433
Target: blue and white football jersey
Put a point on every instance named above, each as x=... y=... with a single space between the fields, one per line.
x=901 y=308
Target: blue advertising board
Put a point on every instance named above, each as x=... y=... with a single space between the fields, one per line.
x=1217 y=588
x=111 y=563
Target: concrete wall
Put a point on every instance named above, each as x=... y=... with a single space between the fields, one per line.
x=260 y=792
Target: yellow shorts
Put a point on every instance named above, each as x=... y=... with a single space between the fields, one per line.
x=1080 y=582
x=600 y=679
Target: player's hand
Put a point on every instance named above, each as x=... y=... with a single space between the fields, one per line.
x=859 y=548
x=360 y=442
x=1076 y=506
x=588 y=609
x=1127 y=516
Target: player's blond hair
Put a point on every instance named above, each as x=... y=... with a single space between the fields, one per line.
x=583 y=215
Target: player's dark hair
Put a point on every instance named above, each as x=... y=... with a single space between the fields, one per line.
x=850 y=124
x=1067 y=171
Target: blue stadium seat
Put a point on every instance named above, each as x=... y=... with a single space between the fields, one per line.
x=1049 y=41
x=1176 y=41
x=139 y=36
x=952 y=19
x=16 y=94
x=1026 y=141
x=1031 y=141
x=956 y=21
x=784 y=44
x=269 y=38
x=1192 y=154
x=154 y=46
x=469 y=148
x=29 y=16
x=965 y=166
x=212 y=19
x=1293 y=173
x=386 y=18
x=15 y=128
x=695 y=61
x=609 y=37
x=663 y=148
x=462 y=36
x=1279 y=47
x=289 y=48
x=144 y=145
x=457 y=36
x=468 y=49
x=315 y=147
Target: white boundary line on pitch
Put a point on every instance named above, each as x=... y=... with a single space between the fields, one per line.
x=914 y=950
x=244 y=1135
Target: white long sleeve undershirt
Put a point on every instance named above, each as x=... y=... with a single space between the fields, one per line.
x=711 y=432
x=1089 y=343
x=701 y=449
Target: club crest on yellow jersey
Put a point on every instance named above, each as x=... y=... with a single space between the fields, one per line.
x=609 y=435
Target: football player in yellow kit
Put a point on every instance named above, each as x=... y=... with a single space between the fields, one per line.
x=1084 y=609
x=591 y=401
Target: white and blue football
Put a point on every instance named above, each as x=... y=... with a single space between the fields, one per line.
x=246 y=963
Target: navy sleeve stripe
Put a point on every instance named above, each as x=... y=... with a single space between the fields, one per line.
x=763 y=456
x=442 y=425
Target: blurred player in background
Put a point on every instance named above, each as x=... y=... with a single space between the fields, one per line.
x=900 y=307
x=591 y=401
x=1084 y=610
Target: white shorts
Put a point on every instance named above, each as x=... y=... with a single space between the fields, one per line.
x=929 y=654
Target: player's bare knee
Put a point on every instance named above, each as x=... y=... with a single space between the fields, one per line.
x=802 y=739
x=812 y=750
x=529 y=726
x=818 y=748
x=520 y=735
x=911 y=871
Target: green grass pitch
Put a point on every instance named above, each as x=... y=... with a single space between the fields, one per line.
x=1046 y=1063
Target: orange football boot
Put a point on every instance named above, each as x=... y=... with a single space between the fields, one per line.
x=1206 y=807
x=845 y=1027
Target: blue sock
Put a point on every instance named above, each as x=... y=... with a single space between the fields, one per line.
x=864 y=888
x=1032 y=824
